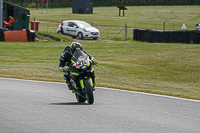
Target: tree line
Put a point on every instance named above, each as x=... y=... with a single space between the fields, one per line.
x=68 y=3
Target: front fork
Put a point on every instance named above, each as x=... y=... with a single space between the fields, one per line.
x=82 y=83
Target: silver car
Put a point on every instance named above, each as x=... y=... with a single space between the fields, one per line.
x=76 y=28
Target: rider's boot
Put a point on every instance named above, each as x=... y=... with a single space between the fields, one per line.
x=93 y=86
x=69 y=85
x=67 y=78
x=93 y=80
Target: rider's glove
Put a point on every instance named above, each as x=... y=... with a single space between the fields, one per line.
x=95 y=62
x=66 y=68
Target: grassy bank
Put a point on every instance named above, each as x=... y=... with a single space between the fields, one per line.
x=170 y=69
x=147 y=17
x=110 y=24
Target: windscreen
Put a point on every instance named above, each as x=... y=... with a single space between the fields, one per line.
x=79 y=55
x=83 y=24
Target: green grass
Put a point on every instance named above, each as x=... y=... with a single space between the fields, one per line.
x=136 y=16
x=56 y=37
x=170 y=69
x=145 y=17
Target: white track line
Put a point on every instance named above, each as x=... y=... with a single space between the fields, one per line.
x=111 y=89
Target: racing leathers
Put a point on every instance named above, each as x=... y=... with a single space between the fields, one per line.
x=65 y=61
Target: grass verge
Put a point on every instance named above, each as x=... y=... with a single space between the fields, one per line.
x=110 y=24
x=168 y=69
x=147 y=17
x=55 y=37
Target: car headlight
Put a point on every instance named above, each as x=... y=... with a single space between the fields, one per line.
x=86 y=30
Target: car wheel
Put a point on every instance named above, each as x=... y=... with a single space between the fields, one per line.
x=80 y=35
x=94 y=38
x=59 y=32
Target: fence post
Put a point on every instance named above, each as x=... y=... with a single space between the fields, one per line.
x=126 y=31
x=22 y=3
x=37 y=5
x=42 y=7
x=1 y=13
x=107 y=32
x=163 y=26
x=47 y=27
x=47 y=6
x=34 y=24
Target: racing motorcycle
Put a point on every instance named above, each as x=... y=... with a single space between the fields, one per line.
x=80 y=77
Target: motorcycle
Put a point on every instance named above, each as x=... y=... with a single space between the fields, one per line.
x=81 y=69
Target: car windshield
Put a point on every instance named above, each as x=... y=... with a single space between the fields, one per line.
x=83 y=24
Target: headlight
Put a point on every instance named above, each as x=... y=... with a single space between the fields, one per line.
x=83 y=67
x=86 y=30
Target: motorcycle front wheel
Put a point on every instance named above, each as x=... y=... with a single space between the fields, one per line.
x=89 y=92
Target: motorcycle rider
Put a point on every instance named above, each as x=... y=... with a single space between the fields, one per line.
x=65 y=61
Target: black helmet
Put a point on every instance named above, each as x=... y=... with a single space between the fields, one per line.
x=74 y=46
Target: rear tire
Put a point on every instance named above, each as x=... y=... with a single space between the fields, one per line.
x=89 y=92
x=59 y=32
x=80 y=99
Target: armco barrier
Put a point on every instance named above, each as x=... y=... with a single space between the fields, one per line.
x=166 y=36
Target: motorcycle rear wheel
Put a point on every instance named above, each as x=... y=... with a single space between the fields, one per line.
x=80 y=99
x=89 y=92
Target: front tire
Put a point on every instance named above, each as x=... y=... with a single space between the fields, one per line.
x=89 y=92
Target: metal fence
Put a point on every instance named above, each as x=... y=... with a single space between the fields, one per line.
x=122 y=33
x=116 y=32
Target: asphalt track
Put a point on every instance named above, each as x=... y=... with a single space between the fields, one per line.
x=44 y=107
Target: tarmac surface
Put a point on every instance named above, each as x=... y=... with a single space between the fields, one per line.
x=44 y=107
